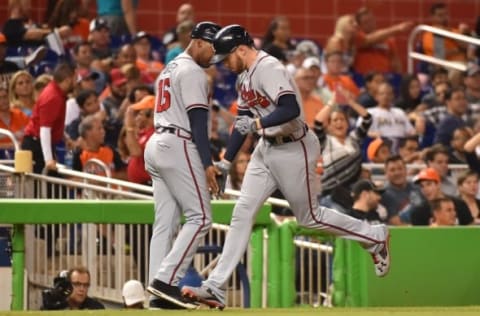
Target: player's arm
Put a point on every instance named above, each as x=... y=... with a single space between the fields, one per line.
x=198 y=117
x=236 y=139
x=287 y=109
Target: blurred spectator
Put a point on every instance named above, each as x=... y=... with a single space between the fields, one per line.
x=399 y=191
x=7 y=68
x=47 y=123
x=184 y=29
x=88 y=104
x=376 y=49
x=100 y=39
x=334 y=77
x=120 y=15
x=185 y=12
x=66 y=13
x=237 y=171
x=133 y=295
x=304 y=50
x=276 y=40
x=409 y=150
x=20 y=92
x=40 y=83
x=468 y=187
x=379 y=150
x=312 y=104
x=443 y=212
x=366 y=199
x=19 y=29
x=11 y=119
x=458 y=155
x=85 y=80
x=343 y=41
x=341 y=150
x=456 y=108
x=436 y=157
x=83 y=55
x=93 y=134
x=410 y=95
x=139 y=127
x=388 y=121
x=429 y=182
x=439 y=46
x=472 y=148
x=126 y=55
x=436 y=98
x=112 y=104
x=144 y=62
x=472 y=84
x=372 y=81
x=313 y=64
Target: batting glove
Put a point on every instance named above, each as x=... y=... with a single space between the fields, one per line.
x=245 y=124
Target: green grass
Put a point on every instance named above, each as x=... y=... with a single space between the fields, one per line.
x=388 y=311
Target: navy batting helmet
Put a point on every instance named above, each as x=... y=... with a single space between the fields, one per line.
x=205 y=31
x=227 y=39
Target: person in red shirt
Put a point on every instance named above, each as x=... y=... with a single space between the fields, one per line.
x=139 y=127
x=47 y=123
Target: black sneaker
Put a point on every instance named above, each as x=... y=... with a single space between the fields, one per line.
x=162 y=304
x=171 y=294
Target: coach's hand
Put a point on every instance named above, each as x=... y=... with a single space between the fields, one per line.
x=245 y=124
x=211 y=173
x=223 y=168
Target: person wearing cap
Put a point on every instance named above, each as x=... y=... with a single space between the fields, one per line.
x=138 y=124
x=312 y=104
x=378 y=150
x=421 y=214
x=100 y=39
x=179 y=160
x=472 y=83
x=133 y=295
x=366 y=200
x=113 y=98
x=145 y=62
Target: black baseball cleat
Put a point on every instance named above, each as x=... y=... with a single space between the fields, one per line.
x=171 y=294
x=158 y=303
x=204 y=295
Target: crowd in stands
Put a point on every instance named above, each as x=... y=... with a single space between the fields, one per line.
x=356 y=96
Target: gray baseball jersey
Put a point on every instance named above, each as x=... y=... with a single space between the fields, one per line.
x=178 y=176
x=287 y=163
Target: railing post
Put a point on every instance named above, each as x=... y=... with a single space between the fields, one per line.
x=256 y=280
x=18 y=266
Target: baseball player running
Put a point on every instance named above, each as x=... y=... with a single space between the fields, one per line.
x=285 y=158
x=178 y=159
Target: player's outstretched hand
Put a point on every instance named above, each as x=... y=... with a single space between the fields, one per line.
x=245 y=124
x=211 y=173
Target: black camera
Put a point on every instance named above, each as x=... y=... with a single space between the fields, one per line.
x=55 y=298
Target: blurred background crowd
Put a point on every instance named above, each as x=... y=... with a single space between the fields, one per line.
x=416 y=135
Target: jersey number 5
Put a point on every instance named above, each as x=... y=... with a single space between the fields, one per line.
x=163 y=101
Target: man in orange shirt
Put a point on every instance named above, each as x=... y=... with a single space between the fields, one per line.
x=376 y=49
x=441 y=47
x=11 y=119
x=335 y=77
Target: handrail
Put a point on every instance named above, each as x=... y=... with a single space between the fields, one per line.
x=12 y=137
x=427 y=28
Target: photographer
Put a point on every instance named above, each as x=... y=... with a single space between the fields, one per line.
x=70 y=291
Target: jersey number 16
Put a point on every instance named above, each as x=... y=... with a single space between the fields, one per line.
x=163 y=100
